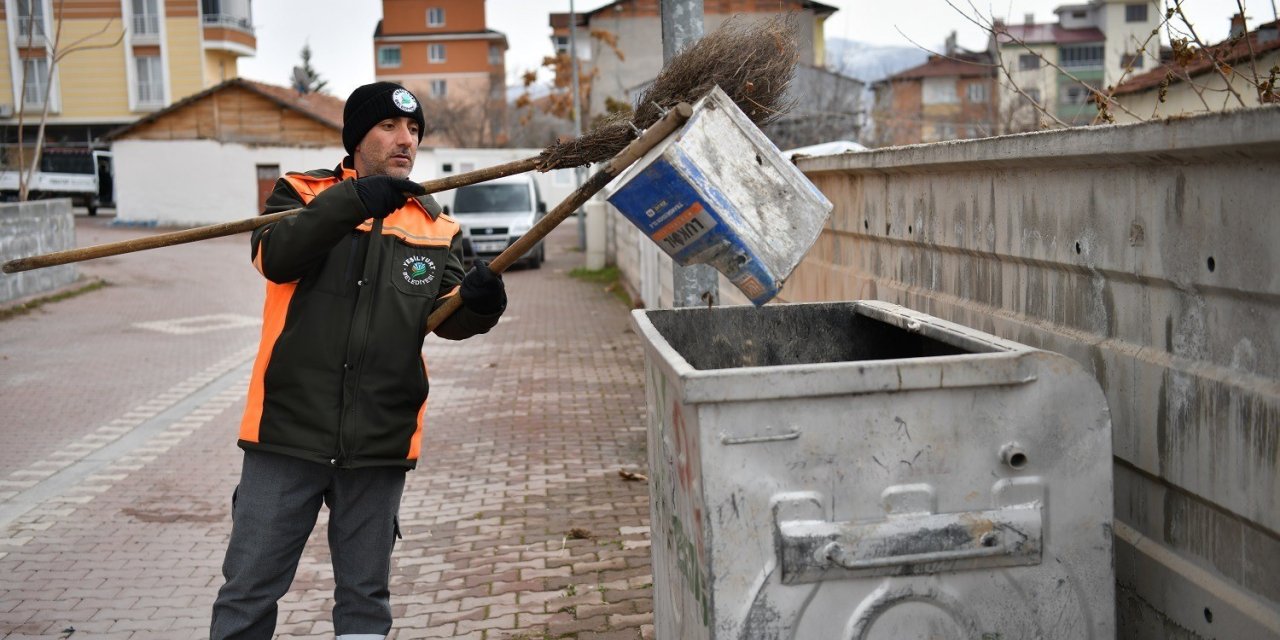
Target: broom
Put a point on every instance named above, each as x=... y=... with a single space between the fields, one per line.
x=752 y=63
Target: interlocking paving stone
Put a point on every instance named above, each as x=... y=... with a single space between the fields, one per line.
x=526 y=430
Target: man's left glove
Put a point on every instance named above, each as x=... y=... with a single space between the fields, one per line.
x=381 y=195
x=482 y=290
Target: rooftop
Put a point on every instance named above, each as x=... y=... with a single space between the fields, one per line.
x=963 y=64
x=323 y=108
x=1261 y=40
x=1046 y=34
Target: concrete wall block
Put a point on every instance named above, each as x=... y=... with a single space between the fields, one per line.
x=1145 y=252
x=34 y=228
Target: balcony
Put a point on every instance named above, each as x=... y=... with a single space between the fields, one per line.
x=228 y=26
x=243 y=23
x=232 y=33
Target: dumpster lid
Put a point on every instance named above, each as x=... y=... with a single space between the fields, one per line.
x=735 y=353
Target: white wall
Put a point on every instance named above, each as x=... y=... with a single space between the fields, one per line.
x=1128 y=37
x=197 y=182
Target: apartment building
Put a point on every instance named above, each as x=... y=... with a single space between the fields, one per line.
x=1172 y=89
x=948 y=97
x=636 y=27
x=1090 y=45
x=443 y=51
x=144 y=55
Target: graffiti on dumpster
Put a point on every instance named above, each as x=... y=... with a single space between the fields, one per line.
x=677 y=491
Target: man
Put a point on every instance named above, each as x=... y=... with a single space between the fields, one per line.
x=338 y=391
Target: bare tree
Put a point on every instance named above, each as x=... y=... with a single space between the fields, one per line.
x=469 y=122
x=56 y=52
x=1191 y=56
x=827 y=107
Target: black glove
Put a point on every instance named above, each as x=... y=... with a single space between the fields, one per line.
x=482 y=290
x=381 y=195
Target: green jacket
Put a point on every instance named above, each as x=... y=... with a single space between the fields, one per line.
x=340 y=378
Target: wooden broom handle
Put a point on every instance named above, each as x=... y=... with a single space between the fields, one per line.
x=239 y=226
x=673 y=120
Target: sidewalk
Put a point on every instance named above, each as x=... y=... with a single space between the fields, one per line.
x=516 y=523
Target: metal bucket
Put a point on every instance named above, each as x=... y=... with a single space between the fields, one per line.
x=860 y=470
x=718 y=192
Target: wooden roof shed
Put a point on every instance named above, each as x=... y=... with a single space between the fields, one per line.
x=214 y=156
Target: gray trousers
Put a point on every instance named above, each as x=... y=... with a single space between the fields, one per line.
x=273 y=512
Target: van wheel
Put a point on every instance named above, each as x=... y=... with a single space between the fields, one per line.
x=535 y=262
x=93 y=210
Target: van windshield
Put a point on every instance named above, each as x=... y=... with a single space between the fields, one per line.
x=492 y=198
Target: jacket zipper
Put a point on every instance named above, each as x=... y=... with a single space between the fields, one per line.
x=374 y=256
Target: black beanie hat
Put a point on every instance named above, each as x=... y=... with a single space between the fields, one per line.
x=373 y=103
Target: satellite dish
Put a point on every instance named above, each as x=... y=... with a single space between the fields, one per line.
x=301 y=82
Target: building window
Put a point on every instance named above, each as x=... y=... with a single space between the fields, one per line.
x=1135 y=13
x=150 y=81
x=146 y=18
x=495 y=55
x=944 y=131
x=31 y=19
x=1079 y=15
x=1028 y=62
x=435 y=17
x=561 y=43
x=439 y=88
x=435 y=53
x=1131 y=61
x=976 y=92
x=1075 y=94
x=1080 y=56
x=35 y=81
x=389 y=56
x=940 y=91
x=1032 y=95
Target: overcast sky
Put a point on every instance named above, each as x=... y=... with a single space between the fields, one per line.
x=341 y=31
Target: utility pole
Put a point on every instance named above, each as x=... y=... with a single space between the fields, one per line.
x=577 y=117
x=696 y=285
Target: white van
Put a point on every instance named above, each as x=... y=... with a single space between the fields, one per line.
x=494 y=214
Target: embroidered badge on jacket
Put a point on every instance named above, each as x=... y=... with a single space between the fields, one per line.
x=418 y=270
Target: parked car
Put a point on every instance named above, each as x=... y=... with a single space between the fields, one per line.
x=83 y=175
x=494 y=214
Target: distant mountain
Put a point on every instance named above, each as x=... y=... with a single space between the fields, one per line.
x=871 y=62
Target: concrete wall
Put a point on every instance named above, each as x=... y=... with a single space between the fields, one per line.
x=196 y=182
x=34 y=228
x=1146 y=252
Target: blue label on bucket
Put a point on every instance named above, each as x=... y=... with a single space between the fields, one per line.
x=686 y=215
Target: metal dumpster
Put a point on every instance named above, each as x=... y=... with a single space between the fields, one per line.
x=861 y=470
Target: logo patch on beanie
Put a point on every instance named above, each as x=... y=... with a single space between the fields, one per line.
x=404 y=100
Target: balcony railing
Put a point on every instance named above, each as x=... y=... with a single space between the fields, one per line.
x=146 y=25
x=243 y=23
x=29 y=29
x=150 y=94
